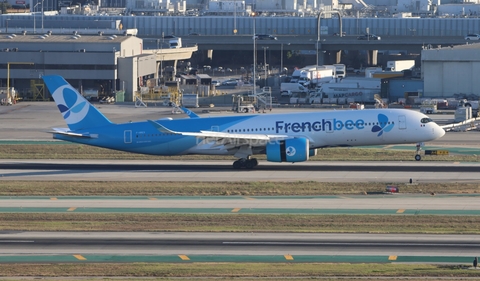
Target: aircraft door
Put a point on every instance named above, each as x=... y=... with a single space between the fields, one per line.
x=127 y=136
x=402 y=122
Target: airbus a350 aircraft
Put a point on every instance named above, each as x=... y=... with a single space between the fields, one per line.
x=290 y=137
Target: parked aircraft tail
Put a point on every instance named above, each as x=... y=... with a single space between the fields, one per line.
x=76 y=110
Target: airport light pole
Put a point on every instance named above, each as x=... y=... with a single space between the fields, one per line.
x=254 y=57
x=35 y=16
x=42 y=16
x=281 y=57
x=234 y=17
x=318 y=34
x=265 y=62
x=8 y=76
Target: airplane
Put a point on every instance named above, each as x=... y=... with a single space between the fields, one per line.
x=291 y=137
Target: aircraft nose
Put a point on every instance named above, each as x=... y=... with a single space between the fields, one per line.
x=438 y=132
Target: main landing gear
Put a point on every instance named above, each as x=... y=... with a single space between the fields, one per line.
x=249 y=163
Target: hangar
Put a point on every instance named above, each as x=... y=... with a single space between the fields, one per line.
x=450 y=71
x=100 y=62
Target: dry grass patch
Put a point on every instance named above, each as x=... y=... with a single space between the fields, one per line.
x=239 y=223
x=243 y=271
x=262 y=188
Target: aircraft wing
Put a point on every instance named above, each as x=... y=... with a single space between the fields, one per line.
x=225 y=138
x=67 y=132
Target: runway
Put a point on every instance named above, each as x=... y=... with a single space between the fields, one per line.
x=381 y=204
x=235 y=247
x=169 y=170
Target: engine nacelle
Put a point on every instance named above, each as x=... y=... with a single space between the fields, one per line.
x=289 y=150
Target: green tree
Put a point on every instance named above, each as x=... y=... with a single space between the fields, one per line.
x=5 y=6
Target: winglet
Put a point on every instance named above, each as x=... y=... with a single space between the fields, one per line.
x=190 y=113
x=162 y=128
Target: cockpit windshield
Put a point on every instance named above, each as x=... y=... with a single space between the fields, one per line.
x=426 y=120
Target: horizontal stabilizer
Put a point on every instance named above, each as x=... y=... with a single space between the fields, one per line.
x=65 y=132
x=162 y=129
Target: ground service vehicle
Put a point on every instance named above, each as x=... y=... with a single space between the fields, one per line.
x=472 y=36
x=369 y=37
x=400 y=65
x=175 y=43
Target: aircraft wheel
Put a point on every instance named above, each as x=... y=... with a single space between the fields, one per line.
x=418 y=157
x=250 y=164
x=238 y=164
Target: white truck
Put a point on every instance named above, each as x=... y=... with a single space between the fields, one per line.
x=301 y=76
x=313 y=74
x=340 y=71
x=292 y=87
x=323 y=74
x=400 y=65
x=175 y=43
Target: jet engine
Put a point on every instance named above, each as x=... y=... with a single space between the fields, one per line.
x=288 y=150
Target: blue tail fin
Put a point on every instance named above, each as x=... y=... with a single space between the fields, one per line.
x=76 y=110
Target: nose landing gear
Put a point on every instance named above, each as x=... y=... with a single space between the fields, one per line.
x=418 y=157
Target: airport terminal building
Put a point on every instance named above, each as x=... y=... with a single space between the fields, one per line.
x=107 y=63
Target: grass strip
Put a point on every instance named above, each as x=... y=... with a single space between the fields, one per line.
x=78 y=151
x=260 y=188
x=243 y=271
x=427 y=224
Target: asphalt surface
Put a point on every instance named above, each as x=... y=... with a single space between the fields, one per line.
x=377 y=204
x=122 y=170
x=306 y=247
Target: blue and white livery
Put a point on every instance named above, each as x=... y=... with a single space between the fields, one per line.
x=290 y=137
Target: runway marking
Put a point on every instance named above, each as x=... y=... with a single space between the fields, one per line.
x=17 y=241
x=400 y=211
x=249 y=198
x=288 y=257
x=236 y=210
x=53 y=198
x=71 y=209
x=151 y=198
x=80 y=257
x=392 y=258
x=184 y=257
